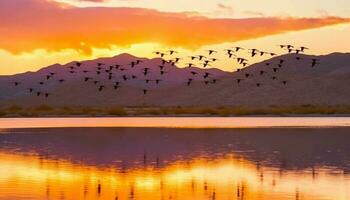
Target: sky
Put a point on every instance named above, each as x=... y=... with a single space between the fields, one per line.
x=38 y=33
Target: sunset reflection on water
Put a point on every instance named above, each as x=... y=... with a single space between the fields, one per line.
x=37 y=169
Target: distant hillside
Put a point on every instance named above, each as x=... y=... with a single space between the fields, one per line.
x=326 y=84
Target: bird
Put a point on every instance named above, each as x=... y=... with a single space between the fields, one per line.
x=145 y=71
x=238 y=48
x=192 y=57
x=206 y=75
x=228 y=51
x=190 y=64
x=194 y=73
x=284 y=82
x=125 y=78
x=30 y=90
x=61 y=80
x=16 y=83
x=177 y=60
x=145 y=91
x=211 y=52
x=247 y=75
x=101 y=87
x=189 y=81
x=200 y=57
x=206 y=65
x=171 y=52
x=262 y=72
x=314 y=62
x=239 y=80
x=161 y=67
x=302 y=49
x=87 y=79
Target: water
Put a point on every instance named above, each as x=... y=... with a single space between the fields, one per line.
x=177 y=122
x=175 y=163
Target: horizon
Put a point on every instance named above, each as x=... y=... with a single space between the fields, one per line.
x=259 y=61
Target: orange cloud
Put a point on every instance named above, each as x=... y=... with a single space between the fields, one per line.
x=42 y=24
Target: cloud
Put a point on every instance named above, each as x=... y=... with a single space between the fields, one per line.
x=225 y=9
x=27 y=25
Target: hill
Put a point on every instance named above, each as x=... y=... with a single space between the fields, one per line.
x=297 y=83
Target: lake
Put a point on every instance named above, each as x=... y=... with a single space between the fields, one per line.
x=175 y=158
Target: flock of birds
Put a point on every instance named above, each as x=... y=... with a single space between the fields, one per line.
x=114 y=72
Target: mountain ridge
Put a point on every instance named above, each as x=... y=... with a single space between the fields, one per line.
x=325 y=84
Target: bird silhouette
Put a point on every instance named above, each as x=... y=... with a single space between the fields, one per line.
x=239 y=80
x=16 y=83
x=86 y=79
x=189 y=81
x=262 y=72
x=101 y=87
x=193 y=57
x=200 y=57
x=238 y=48
x=314 y=62
x=302 y=49
x=194 y=73
x=190 y=64
x=211 y=52
x=206 y=75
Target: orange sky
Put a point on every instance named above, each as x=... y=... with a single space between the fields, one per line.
x=36 y=33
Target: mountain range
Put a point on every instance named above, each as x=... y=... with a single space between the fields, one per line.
x=295 y=83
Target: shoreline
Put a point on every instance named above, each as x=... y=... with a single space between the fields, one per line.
x=47 y=111
x=175 y=116
x=177 y=122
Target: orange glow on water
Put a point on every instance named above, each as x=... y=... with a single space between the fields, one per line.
x=231 y=177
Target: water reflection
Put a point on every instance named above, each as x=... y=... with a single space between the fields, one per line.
x=125 y=163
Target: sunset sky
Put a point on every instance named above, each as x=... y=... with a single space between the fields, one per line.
x=37 y=33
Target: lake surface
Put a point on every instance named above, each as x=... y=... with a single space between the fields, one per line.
x=311 y=163
x=177 y=122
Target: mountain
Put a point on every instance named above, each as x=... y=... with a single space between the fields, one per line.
x=325 y=84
